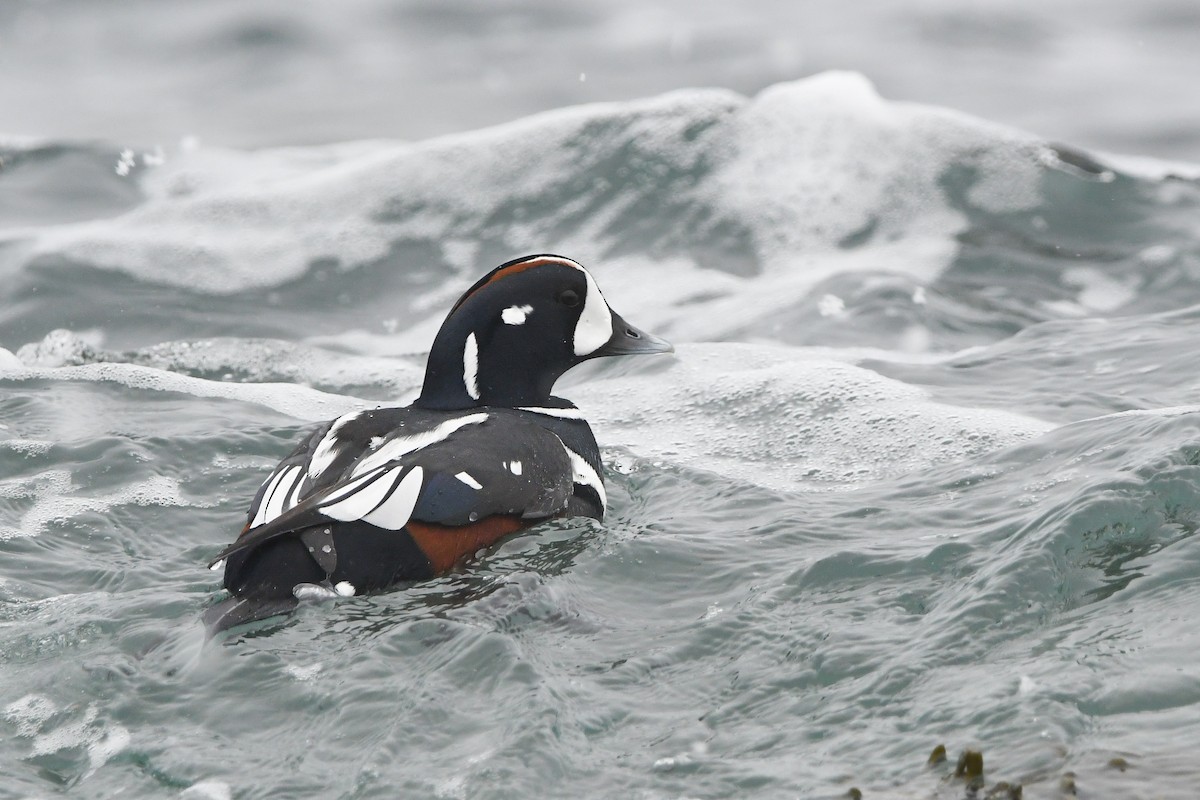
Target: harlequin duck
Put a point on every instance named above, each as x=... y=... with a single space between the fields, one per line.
x=394 y=494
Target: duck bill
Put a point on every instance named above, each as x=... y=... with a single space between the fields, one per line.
x=628 y=340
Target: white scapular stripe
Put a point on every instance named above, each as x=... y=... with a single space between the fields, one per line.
x=515 y=315
x=278 y=490
x=471 y=366
x=293 y=496
x=326 y=451
x=594 y=327
x=358 y=504
x=403 y=445
x=394 y=513
x=469 y=480
x=582 y=473
x=346 y=488
x=561 y=413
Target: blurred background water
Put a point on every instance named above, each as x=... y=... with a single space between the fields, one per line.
x=923 y=470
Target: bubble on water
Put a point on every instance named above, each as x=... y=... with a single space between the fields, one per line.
x=831 y=305
x=1158 y=255
x=55 y=501
x=9 y=360
x=27 y=447
x=59 y=348
x=297 y=401
x=55 y=729
x=29 y=713
x=787 y=419
x=207 y=790
x=782 y=187
x=1099 y=291
x=304 y=673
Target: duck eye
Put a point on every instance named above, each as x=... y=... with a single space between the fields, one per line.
x=569 y=298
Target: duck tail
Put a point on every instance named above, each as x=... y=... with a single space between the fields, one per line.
x=235 y=611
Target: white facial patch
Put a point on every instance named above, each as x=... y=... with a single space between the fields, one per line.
x=471 y=366
x=595 y=325
x=515 y=315
x=515 y=467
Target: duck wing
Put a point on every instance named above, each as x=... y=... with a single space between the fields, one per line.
x=464 y=471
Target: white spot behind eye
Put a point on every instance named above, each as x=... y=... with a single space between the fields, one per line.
x=471 y=366
x=515 y=467
x=594 y=327
x=515 y=315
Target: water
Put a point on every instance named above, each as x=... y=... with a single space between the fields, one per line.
x=924 y=470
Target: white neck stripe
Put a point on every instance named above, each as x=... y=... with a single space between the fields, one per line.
x=561 y=413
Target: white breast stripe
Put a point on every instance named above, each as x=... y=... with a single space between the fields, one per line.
x=582 y=473
x=402 y=445
x=594 y=327
x=471 y=366
x=394 y=513
x=358 y=504
x=326 y=451
x=561 y=413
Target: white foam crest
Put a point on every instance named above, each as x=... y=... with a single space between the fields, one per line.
x=348 y=204
x=53 y=729
x=296 y=401
x=812 y=162
x=783 y=418
x=264 y=360
x=208 y=790
x=54 y=499
x=801 y=167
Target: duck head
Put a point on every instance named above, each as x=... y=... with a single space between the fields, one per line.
x=518 y=329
